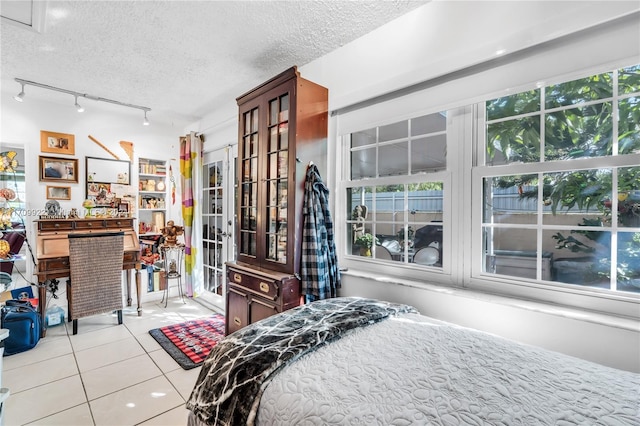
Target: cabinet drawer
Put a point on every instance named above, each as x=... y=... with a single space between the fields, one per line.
x=263 y=286
x=54 y=263
x=55 y=225
x=119 y=223
x=89 y=224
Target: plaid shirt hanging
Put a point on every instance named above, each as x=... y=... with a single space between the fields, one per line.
x=319 y=264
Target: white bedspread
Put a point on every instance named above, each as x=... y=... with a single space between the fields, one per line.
x=415 y=371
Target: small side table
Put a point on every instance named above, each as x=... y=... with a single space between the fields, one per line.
x=172 y=258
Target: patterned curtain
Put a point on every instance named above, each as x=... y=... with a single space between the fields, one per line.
x=191 y=179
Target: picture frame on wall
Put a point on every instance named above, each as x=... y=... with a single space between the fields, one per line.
x=56 y=169
x=57 y=143
x=58 y=192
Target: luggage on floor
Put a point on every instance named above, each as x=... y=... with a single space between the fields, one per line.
x=23 y=322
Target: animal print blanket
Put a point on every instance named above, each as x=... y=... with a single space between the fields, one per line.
x=239 y=367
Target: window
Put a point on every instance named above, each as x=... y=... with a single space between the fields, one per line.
x=395 y=206
x=560 y=180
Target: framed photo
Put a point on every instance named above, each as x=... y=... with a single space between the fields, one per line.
x=58 y=192
x=53 y=169
x=57 y=143
x=123 y=209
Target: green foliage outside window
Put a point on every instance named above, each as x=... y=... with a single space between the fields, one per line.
x=579 y=119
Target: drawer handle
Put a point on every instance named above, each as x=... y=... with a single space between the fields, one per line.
x=264 y=287
x=237 y=321
x=237 y=278
x=119 y=223
x=56 y=225
x=89 y=224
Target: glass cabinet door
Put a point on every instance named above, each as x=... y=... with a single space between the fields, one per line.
x=277 y=179
x=248 y=209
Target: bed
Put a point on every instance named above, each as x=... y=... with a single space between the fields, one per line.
x=348 y=361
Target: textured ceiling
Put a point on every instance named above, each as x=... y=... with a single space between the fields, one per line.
x=182 y=59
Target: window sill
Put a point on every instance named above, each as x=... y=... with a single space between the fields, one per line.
x=534 y=306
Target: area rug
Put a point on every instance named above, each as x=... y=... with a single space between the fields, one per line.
x=190 y=342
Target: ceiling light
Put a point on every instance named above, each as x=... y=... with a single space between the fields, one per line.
x=78 y=106
x=77 y=95
x=20 y=96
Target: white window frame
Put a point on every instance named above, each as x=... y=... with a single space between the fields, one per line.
x=464 y=135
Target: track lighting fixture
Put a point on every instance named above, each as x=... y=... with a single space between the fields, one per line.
x=78 y=106
x=19 y=97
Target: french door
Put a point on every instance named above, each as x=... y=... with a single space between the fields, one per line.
x=219 y=176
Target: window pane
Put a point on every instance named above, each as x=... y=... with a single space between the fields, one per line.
x=629 y=262
x=429 y=154
x=363 y=163
x=429 y=124
x=575 y=196
x=511 y=199
x=629 y=197
x=512 y=251
x=629 y=80
x=579 y=132
x=394 y=159
x=509 y=106
x=394 y=131
x=366 y=137
x=578 y=91
x=514 y=141
x=587 y=260
x=629 y=126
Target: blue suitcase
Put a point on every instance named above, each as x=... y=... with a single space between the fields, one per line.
x=23 y=322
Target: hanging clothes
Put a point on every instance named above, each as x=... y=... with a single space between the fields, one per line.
x=319 y=264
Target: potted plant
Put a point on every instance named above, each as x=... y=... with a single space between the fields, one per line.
x=365 y=242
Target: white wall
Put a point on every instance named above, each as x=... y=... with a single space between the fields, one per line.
x=20 y=125
x=442 y=39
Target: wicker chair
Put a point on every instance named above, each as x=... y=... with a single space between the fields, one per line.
x=95 y=282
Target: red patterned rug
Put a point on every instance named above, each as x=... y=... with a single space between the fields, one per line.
x=190 y=342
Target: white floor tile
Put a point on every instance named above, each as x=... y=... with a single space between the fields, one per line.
x=147 y=342
x=99 y=356
x=120 y=375
x=118 y=365
x=184 y=380
x=37 y=403
x=177 y=416
x=164 y=361
x=40 y=373
x=136 y=403
x=47 y=348
x=87 y=339
x=76 y=416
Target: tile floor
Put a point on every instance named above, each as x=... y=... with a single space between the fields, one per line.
x=107 y=374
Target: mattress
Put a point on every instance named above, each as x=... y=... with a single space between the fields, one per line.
x=411 y=369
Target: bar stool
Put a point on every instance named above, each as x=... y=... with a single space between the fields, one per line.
x=172 y=257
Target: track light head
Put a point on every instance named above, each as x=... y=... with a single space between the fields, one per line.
x=79 y=107
x=20 y=96
x=146 y=121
